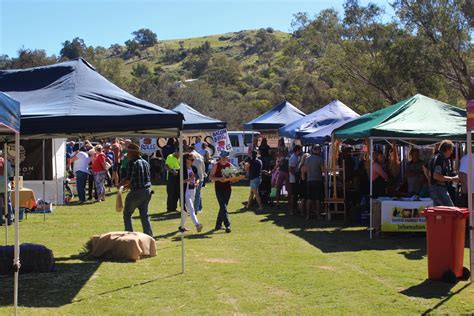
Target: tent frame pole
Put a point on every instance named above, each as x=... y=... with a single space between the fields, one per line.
x=371 y=150
x=16 y=260
x=5 y=187
x=44 y=179
x=469 y=202
x=181 y=195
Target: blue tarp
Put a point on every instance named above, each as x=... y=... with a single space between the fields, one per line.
x=275 y=118
x=72 y=98
x=9 y=114
x=330 y=115
x=194 y=120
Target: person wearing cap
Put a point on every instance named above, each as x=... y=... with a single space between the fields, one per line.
x=314 y=185
x=223 y=190
x=99 y=170
x=172 y=165
x=137 y=179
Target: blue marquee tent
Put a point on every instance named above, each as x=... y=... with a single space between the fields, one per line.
x=323 y=119
x=72 y=98
x=278 y=116
x=194 y=120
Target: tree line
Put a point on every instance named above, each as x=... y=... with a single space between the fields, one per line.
x=357 y=56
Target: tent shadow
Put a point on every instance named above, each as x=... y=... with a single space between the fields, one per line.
x=49 y=289
x=331 y=237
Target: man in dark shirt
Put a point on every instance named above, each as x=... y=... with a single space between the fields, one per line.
x=254 y=168
x=440 y=175
x=138 y=180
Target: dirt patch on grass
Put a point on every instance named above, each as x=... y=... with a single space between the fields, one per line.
x=219 y=260
x=327 y=268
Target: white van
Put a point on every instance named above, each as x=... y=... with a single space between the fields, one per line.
x=240 y=141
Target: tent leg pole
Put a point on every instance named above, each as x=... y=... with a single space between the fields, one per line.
x=5 y=191
x=181 y=195
x=469 y=202
x=44 y=179
x=56 y=171
x=16 y=263
x=371 y=150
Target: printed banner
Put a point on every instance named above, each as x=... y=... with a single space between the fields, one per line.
x=272 y=138
x=221 y=140
x=31 y=155
x=470 y=115
x=148 y=146
x=404 y=216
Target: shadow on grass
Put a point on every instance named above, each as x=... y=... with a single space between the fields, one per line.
x=196 y=235
x=162 y=216
x=49 y=289
x=433 y=290
x=126 y=287
x=332 y=236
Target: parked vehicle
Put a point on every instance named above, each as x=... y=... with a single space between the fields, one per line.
x=240 y=141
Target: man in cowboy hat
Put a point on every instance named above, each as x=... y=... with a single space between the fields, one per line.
x=137 y=179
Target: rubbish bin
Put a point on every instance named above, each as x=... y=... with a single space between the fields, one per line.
x=445 y=234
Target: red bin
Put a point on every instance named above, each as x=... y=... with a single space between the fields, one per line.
x=445 y=234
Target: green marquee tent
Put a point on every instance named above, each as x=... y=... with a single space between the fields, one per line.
x=418 y=117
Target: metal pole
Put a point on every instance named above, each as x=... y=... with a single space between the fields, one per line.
x=469 y=200
x=5 y=191
x=181 y=195
x=16 y=262
x=371 y=150
x=44 y=184
x=56 y=170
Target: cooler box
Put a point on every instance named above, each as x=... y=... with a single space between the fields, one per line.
x=445 y=234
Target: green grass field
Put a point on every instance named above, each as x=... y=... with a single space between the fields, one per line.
x=270 y=264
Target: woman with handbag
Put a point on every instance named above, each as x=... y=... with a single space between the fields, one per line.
x=99 y=169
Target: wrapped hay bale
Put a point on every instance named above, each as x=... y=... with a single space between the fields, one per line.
x=33 y=258
x=130 y=246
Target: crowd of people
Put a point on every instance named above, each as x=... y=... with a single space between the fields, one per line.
x=300 y=171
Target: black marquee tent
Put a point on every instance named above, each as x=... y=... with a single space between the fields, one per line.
x=72 y=98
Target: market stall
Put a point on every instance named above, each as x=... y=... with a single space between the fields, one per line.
x=71 y=99
x=309 y=127
x=9 y=126
x=406 y=123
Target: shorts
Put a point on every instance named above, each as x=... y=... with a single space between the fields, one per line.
x=283 y=178
x=294 y=189
x=302 y=190
x=255 y=183
x=315 y=191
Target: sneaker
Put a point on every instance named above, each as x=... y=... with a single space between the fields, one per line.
x=228 y=230
x=183 y=229
x=199 y=228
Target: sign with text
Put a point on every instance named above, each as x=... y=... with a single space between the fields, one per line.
x=272 y=138
x=470 y=115
x=221 y=140
x=148 y=145
x=404 y=216
x=31 y=158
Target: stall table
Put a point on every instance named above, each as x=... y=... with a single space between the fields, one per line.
x=27 y=199
x=399 y=215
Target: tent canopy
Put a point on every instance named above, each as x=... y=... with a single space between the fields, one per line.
x=9 y=115
x=331 y=114
x=275 y=118
x=194 y=120
x=72 y=98
x=418 y=117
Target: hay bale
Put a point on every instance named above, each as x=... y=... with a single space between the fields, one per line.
x=34 y=258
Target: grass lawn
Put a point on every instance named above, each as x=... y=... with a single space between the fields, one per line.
x=271 y=263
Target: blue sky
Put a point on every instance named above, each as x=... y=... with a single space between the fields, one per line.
x=46 y=24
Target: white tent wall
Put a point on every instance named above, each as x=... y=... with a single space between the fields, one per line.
x=54 y=189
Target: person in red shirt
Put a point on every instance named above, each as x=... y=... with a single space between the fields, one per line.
x=99 y=170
